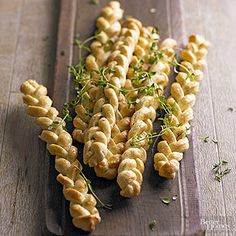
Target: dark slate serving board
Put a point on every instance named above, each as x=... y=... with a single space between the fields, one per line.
x=128 y=216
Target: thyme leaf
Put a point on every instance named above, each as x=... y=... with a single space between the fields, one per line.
x=165 y=127
x=94 y=2
x=133 y=101
x=166 y=200
x=152 y=225
x=190 y=74
x=214 y=140
x=218 y=172
x=53 y=125
x=88 y=182
x=205 y=139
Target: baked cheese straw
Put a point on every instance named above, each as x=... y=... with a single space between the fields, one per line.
x=138 y=68
x=125 y=110
x=109 y=26
x=183 y=95
x=131 y=167
x=102 y=131
x=59 y=143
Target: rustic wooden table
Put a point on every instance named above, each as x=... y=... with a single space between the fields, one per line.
x=28 y=31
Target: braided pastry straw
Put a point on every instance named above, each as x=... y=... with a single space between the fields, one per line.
x=125 y=110
x=182 y=99
x=101 y=48
x=131 y=167
x=59 y=143
x=110 y=28
x=103 y=134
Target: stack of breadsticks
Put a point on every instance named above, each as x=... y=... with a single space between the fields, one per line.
x=120 y=85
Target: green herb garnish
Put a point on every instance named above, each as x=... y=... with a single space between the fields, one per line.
x=214 y=140
x=133 y=101
x=166 y=200
x=152 y=225
x=94 y=2
x=88 y=182
x=82 y=44
x=190 y=74
x=205 y=139
x=53 y=125
x=217 y=170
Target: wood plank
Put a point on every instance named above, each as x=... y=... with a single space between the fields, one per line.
x=132 y=216
x=10 y=13
x=27 y=51
x=206 y=153
x=21 y=164
x=223 y=90
x=36 y=47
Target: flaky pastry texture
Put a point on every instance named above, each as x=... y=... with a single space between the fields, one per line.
x=59 y=143
x=183 y=95
x=131 y=167
x=105 y=137
x=101 y=48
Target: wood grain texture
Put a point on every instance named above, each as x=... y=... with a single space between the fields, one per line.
x=27 y=50
x=215 y=19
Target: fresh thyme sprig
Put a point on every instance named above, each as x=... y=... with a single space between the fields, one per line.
x=156 y=54
x=190 y=74
x=141 y=77
x=166 y=124
x=94 y=2
x=88 y=182
x=133 y=101
x=218 y=172
x=168 y=200
x=57 y=123
x=82 y=45
x=155 y=30
x=152 y=225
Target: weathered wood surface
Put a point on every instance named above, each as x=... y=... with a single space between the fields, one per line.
x=147 y=206
x=27 y=50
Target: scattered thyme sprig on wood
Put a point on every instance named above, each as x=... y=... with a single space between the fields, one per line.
x=94 y=2
x=168 y=200
x=206 y=139
x=218 y=172
x=152 y=225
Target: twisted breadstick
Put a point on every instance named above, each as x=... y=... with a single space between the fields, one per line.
x=175 y=141
x=131 y=167
x=103 y=134
x=101 y=49
x=110 y=28
x=125 y=110
x=59 y=143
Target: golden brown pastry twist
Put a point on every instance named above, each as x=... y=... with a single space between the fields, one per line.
x=101 y=48
x=182 y=99
x=59 y=143
x=110 y=28
x=103 y=131
x=131 y=167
